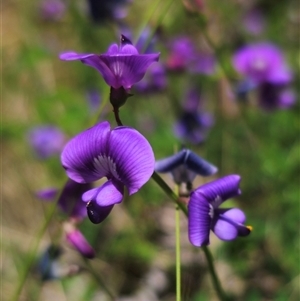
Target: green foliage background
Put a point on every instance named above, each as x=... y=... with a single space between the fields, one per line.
x=38 y=88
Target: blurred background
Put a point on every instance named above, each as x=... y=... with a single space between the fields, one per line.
x=195 y=96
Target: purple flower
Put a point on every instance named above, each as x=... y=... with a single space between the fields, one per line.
x=52 y=10
x=47 y=194
x=205 y=214
x=204 y=63
x=122 y=155
x=121 y=67
x=273 y=97
x=76 y=239
x=254 y=22
x=94 y=100
x=193 y=125
x=154 y=81
x=46 y=141
x=262 y=62
x=70 y=199
x=106 y=10
x=185 y=166
x=182 y=53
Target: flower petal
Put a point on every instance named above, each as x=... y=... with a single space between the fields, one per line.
x=220 y=190
x=126 y=69
x=110 y=193
x=80 y=153
x=133 y=157
x=96 y=213
x=169 y=163
x=70 y=199
x=199 y=165
x=199 y=220
x=79 y=242
x=228 y=224
x=71 y=56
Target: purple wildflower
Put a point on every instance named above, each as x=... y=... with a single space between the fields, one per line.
x=254 y=21
x=70 y=199
x=94 y=99
x=193 y=125
x=182 y=53
x=185 y=166
x=205 y=214
x=46 y=141
x=273 y=96
x=76 y=239
x=106 y=10
x=121 y=67
x=47 y=194
x=155 y=80
x=262 y=62
x=52 y=10
x=122 y=155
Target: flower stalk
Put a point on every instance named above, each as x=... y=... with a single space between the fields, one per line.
x=209 y=258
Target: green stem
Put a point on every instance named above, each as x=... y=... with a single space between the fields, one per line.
x=178 y=263
x=163 y=185
x=99 y=279
x=31 y=256
x=215 y=280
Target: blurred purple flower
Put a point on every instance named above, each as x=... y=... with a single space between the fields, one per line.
x=193 y=125
x=185 y=166
x=182 y=53
x=70 y=200
x=154 y=81
x=52 y=10
x=106 y=10
x=254 y=22
x=46 y=141
x=94 y=100
x=273 y=96
x=122 y=155
x=121 y=67
x=262 y=62
x=76 y=239
x=205 y=214
x=204 y=63
x=47 y=194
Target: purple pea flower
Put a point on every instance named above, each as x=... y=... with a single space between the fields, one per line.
x=121 y=67
x=204 y=213
x=262 y=62
x=46 y=141
x=122 y=155
x=185 y=166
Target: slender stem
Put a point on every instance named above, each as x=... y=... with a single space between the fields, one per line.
x=215 y=280
x=117 y=116
x=31 y=255
x=99 y=279
x=214 y=277
x=163 y=185
x=178 y=263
